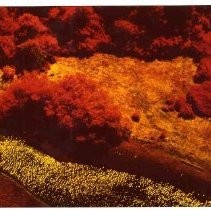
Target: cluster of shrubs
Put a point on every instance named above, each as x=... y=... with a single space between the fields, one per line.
x=198 y=99
x=73 y=111
x=25 y=41
x=30 y=37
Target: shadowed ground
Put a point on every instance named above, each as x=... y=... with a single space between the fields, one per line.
x=13 y=195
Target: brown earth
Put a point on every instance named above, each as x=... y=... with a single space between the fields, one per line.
x=162 y=165
x=14 y=195
x=145 y=159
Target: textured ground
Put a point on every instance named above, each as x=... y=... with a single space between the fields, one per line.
x=14 y=195
x=72 y=184
x=142 y=87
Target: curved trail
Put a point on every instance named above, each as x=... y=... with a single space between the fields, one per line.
x=159 y=165
x=150 y=161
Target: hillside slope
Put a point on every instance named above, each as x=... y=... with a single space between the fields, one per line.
x=141 y=88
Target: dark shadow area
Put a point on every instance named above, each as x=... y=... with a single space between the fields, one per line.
x=14 y=195
x=148 y=161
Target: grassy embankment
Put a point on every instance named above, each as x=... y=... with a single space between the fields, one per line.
x=72 y=184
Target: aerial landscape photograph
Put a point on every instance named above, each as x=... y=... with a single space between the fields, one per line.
x=105 y=106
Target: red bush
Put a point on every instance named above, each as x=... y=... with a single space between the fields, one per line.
x=7 y=49
x=79 y=29
x=74 y=110
x=8 y=73
x=35 y=53
x=169 y=105
x=203 y=45
x=29 y=26
x=7 y=22
x=180 y=105
x=162 y=47
x=184 y=109
x=130 y=33
x=91 y=113
x=127 y=27
x=199 y=97
x=203 y=71
x=28 y=88
x=197 y=24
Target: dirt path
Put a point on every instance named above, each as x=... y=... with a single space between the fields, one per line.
x=144 y=159
x=14 y=195
x=155 y=163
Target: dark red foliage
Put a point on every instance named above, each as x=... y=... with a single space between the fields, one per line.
x=199 y=97
x=7 y=49
x=80 y=106
x=29 y=26
x=8 y=24
x=73 y=110
x=130 y=33
x=166 y=32
x=184 y=109
x=162 y=47
x=8 y=73
x=152 y=32
x=151 y=19
x=35 y=53
x=203 y=71
x=29 y=88
x=203 y=45
x=180 y=105
x=169 y=105
x=79 y=29
x=124 y=26
x=41 y=12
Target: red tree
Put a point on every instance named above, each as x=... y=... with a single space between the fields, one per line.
x=35 y=53
x=29 y=26
x=199 y=97
x=73 y=110
x=7 y=49
x=79 y=29
x=203 y=71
